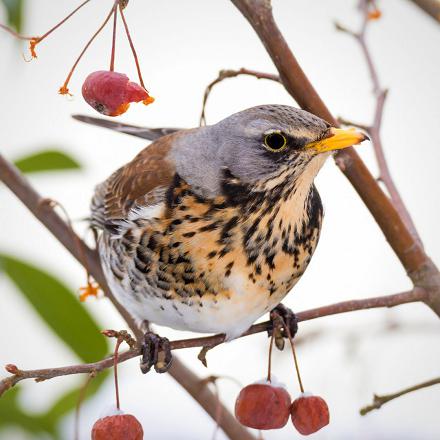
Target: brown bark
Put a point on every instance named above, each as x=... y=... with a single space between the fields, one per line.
x=431 y=7
x=417 y=264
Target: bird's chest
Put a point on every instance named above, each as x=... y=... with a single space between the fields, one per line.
x=212 y=265
x=213 y=250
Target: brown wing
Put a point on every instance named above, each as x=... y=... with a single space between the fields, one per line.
x=136 y=184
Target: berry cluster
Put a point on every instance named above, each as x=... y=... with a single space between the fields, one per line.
x=267 y=405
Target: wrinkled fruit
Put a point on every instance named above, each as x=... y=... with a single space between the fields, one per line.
x=119 y=427
x=111 y=93
x=263 y=406
x=309 y=414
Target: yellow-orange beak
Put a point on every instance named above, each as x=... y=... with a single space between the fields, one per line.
x=337 y=139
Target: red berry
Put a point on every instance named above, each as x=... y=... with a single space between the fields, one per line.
x=263 y=406
x=309 y=414
x=111 y=93
x=119 y=427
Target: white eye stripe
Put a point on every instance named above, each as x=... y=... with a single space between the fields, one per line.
x=272 y=130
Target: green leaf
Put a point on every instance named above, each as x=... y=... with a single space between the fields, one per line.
x=49 y=160
x=58 y=307
x=14 y=9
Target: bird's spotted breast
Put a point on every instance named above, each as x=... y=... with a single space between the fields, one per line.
x=216 y=265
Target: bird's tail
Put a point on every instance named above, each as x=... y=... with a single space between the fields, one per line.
x=142 y=132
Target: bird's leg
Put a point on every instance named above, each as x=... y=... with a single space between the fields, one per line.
x=282 y=317
x=156 y=353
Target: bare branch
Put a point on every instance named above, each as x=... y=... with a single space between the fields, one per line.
x=431 y=7
x=15 y=34
x=418 y=265
x=344 y=121
x=374 y=129
x=378 y=401
x=415 y=295
x=222 y=75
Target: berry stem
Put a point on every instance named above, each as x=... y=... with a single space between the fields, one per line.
x=15 y=34
x=81 y=397
x=115 y=369
x=62 y=21
x=269 y=365
x=64 y=90
x=295 y=360
x=115 y=21
x=90 y=285
x=136 y=60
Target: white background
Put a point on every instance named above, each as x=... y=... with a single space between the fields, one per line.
x=182 y=46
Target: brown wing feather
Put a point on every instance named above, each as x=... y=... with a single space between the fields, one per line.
x=135 y=184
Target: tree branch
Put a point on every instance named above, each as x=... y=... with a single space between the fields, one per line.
x=418 y=265
x=415 y=295
x=431 y=7
x=222 y=75
x=378 y=401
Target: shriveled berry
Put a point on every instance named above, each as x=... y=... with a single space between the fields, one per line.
x=111 y=93
x=309 y=414
x=263 y=406
x=118 y=427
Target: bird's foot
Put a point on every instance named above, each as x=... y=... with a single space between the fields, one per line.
x=156 y=352
x=284 y=324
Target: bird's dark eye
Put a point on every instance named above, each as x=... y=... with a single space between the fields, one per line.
x=275 y=142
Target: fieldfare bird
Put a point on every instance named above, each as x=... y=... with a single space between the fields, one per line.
x=207 y=229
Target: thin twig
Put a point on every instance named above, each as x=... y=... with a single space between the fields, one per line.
x=62 y=21
x=130 y=42
x=378 y=401
x=81 y=397
x=374 y=129
x=222 y=75
x=344 y=121
x=64 y=89
x=269 y=361
x=115 y=370
x=14 y=33
x=113 y=52
x=295 y=359
x=415 y=295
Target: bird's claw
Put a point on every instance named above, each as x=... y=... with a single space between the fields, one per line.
x=156 y=352
x=284 y=323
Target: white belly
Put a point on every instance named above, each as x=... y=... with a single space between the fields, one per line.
x=202 y=315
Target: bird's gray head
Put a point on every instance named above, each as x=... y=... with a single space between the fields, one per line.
x=257 y=146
